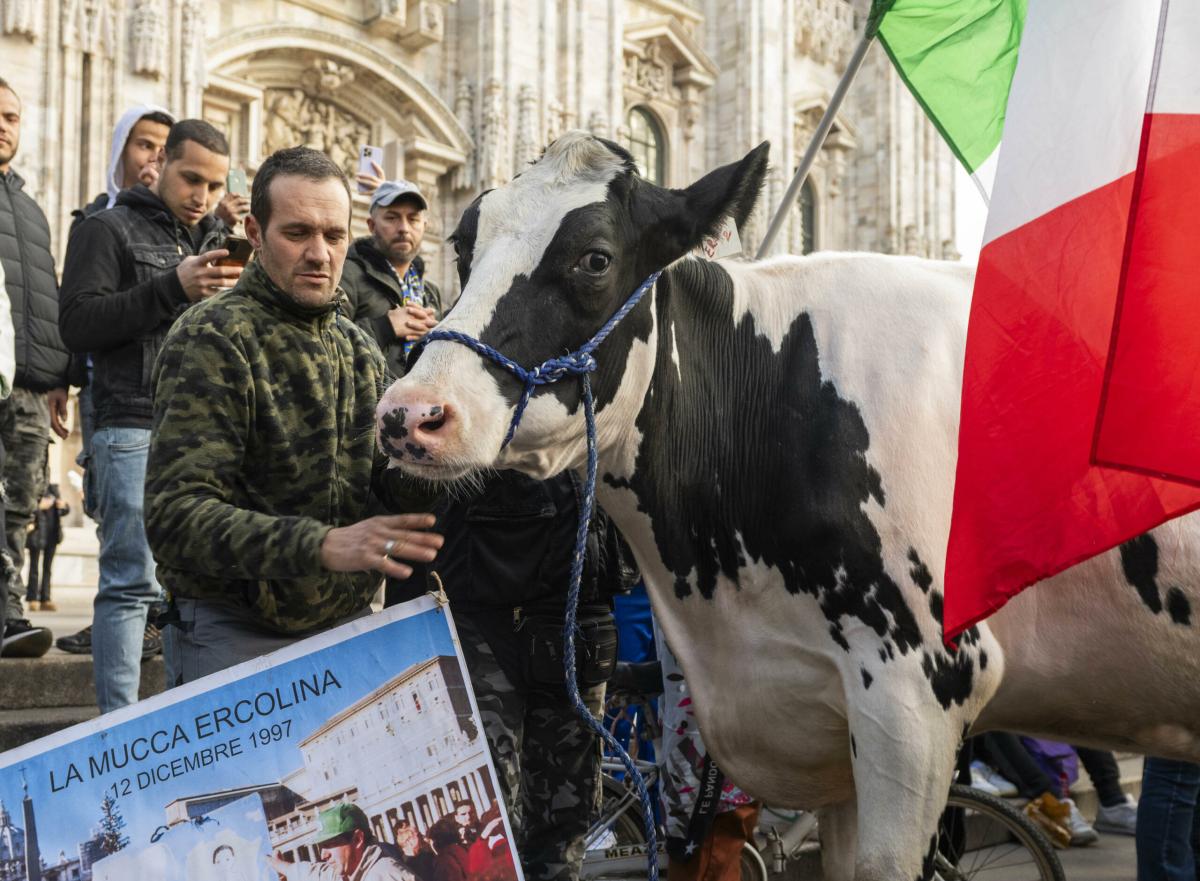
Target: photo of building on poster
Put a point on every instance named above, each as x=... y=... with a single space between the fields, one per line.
x=362 y=743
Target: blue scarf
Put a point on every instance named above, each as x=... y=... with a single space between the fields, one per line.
x=412 y=290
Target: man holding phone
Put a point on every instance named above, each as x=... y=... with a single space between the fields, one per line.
x=129 y=273
x=384 y=279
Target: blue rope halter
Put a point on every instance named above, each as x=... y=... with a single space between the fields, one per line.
x=579 y=363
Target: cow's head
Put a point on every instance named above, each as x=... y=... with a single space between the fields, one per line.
x=544 y=262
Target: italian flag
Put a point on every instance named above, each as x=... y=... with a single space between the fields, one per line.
x=1080 y=413
x=957 y=57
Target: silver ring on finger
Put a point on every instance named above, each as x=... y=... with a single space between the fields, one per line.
x=387 y=548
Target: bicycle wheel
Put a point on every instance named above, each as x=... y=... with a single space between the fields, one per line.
x=983 y=837
x=627 y=828
x=752 y=867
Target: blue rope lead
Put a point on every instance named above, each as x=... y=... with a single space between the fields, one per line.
x=578 y=363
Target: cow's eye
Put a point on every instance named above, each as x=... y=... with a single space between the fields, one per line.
x=595 y=262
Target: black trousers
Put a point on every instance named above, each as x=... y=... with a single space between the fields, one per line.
x=1101 y=766
x=35 y=590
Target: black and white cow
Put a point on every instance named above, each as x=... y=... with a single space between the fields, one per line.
x=777 y=442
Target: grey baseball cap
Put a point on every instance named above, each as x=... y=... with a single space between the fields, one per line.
x=391 y=190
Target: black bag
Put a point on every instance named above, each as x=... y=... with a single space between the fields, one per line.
x=540 y=640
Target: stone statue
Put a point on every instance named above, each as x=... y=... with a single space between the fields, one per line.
x=293 y=118
x=147 y=37
x=192 y=38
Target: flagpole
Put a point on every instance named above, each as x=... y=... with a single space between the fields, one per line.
x=818 y=138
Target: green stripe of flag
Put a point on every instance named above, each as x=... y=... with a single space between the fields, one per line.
x=957 y=57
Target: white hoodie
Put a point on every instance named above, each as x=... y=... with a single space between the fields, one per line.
x=120 y=135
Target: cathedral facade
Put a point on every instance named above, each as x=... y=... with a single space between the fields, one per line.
x=460 y=94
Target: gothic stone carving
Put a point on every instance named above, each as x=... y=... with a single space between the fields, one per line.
x=90 y=26
x=192 y=38
x=20 y=18
x=325 y=75
x=494 y=169
x=148 y=36
x=425 y=24
x=651 y=73
x=464 y=112
x=294 y=118
x=386 y=17
x=824 y=29
x=528 y=147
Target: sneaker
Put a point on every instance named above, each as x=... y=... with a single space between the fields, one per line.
x=1001 y=784
x=33 y=606
x=24 y=640
x=48 y=606
x=980 y=781
x=151 y=641
x=1082 y=833
x=1052 y=816
x=1119 y=819
x=77 y=643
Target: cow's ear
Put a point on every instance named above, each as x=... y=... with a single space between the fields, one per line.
x=682 y=218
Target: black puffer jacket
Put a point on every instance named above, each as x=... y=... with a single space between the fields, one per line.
x=121 y=294
x=32 y=288
x=372 y=289
x=510 y=544
x=77 y=372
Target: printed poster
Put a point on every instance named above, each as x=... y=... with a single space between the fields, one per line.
x=357 y=748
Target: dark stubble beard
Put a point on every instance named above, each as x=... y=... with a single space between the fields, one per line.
x=393 y=253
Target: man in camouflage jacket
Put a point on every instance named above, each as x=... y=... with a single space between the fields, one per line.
x=263 y=477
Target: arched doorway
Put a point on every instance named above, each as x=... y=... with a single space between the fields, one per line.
x=276 y=86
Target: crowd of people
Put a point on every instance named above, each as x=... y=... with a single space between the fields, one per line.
x=227 y=411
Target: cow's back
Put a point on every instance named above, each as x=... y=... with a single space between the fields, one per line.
x=890 y=336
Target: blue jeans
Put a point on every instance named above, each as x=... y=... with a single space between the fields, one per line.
x=1168 y=821
x=127 y=585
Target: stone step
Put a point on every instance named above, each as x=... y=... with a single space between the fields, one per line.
x=59 y=680
x=18 y=727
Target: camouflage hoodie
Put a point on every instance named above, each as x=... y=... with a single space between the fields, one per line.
x=263 y=440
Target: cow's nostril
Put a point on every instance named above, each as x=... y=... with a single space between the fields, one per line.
x=435 y=420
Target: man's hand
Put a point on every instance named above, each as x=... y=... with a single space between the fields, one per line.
x=148 y=175
x=369 y=183
x=377 y=542
x=201 y=279
x=411 y=322
x=231 y=209
x=57 y=399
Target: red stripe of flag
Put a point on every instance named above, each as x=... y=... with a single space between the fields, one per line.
x=1150 y=418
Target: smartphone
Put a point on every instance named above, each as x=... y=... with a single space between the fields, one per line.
x=366 y=156
x=239 y=251
x=236 y=183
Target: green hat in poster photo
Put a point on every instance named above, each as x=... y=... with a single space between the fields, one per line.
x=341 y=819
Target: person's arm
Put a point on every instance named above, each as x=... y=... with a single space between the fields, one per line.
x=94 y=314
x=8 y=342
x=202 y=416
x=203 y=390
